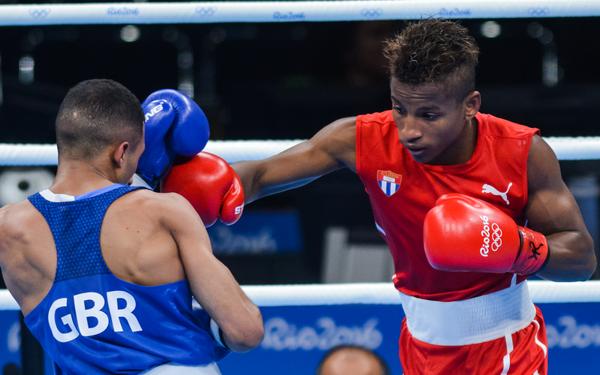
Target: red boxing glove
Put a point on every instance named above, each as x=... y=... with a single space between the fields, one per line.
x=462 y=233
x=210 y=185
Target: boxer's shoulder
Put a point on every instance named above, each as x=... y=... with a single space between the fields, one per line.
x=151 y=199
x=18 y=217
x=338 y=139
x=150 y=204
x=19 y=223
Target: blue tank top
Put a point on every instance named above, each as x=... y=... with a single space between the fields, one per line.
x=92 y=322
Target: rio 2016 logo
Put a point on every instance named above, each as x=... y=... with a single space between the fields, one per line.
x=491 y=237
x=325 y=334
x=568 y=333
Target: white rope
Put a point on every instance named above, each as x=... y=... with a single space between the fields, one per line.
x=384 y=293
x=232 y=151
x=288 y=11
x=377 y=293
x=566 y=148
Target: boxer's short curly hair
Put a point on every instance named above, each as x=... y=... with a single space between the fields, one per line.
x=434 y=51
x=95 y=114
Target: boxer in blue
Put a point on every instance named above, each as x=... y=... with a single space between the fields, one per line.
x=104 y=272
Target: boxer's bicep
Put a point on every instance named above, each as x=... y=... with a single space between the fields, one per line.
x=551 y=207
x=553 y=211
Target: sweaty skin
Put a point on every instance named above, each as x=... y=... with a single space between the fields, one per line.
x=438 y=129
x=147 y=239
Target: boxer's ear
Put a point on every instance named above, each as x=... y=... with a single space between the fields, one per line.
x=120 y=153
x=472 y=103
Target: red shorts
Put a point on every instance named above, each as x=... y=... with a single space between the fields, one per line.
x=522 y=353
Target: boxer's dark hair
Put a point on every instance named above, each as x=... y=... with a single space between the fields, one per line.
x=95 y=114
x=437 y=52
x=384 y=367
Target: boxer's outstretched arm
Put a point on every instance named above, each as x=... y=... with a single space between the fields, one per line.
x=211 y=282
x=552 y=210
x=332 y=148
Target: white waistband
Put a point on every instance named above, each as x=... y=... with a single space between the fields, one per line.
x=173 y=369
x=469 y=321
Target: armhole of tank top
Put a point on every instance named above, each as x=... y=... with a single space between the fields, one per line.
x=358 y=147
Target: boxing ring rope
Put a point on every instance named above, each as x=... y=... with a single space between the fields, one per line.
x=376 y=293
x=566 y=148
x=289 y=11
x=232 y=151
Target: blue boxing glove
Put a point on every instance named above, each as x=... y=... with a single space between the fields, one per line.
x=175 y=127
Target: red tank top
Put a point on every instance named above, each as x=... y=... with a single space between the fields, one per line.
x=402 y=190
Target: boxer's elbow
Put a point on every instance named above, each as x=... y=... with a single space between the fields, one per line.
x=576 y=261
x=590 y=262
x=248 y=333
x=582 y=271
x=587 y=262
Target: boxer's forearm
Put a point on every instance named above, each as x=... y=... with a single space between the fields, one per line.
x=572 y=257
x=249 y=173
x=257 y=182
x=330 y=149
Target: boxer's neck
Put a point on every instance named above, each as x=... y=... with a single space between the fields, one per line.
x=76 y=177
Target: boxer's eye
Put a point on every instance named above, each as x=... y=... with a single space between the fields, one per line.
x=401 y=111
x=430 y=116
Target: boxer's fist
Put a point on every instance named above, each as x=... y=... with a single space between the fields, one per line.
x=462 y=233
x=175 y=127
x=210 y=185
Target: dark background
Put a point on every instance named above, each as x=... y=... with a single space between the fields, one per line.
x=280 y=81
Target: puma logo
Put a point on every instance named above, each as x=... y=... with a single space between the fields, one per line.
x=489 y=189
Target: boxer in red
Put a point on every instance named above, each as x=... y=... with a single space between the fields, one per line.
x=469 y=204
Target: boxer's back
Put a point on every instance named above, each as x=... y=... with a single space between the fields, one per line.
x=100 y=273
x=135 y=246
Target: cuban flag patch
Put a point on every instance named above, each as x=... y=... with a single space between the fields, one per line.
x=389 y=182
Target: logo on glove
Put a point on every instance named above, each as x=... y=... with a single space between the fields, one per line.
x=491 y=235
x=535 y=253
x=238 y=209
x=153 y=111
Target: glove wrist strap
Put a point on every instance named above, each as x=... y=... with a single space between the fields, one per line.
x=533 y=252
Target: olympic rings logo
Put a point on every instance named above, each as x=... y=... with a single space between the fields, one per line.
x=538 y=12
x=39 y=13
x=491 y=237
x=496 y=237
x=205 y=11
x=371 y=12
